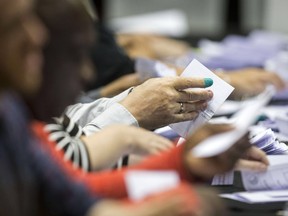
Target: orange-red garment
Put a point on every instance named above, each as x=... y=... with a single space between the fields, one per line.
x=111 y=183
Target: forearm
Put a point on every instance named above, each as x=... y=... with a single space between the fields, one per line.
x=116 y=114
x=105 y=156
x=82 y=114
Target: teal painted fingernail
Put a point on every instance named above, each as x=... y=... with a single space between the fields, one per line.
x=208 y=82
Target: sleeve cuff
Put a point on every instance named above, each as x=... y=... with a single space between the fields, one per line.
x=116 y=114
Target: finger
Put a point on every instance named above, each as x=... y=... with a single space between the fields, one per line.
x=255 y=153
x=195 y=95
x=276 y=81
x=185 y=116
x=196 y=106
x=181 y=83
x=206 y=131
x=250 y=165
x=162 y=146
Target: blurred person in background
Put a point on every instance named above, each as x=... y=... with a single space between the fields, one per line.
x=31 y=183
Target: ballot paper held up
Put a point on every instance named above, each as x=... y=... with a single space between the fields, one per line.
x=219 y=143
x=141 y=184
x=221 y=90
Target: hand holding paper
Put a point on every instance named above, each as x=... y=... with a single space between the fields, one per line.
x=207 y=167
x=221 y=90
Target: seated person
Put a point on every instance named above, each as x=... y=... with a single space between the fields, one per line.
x=104 y=183
x=31 y=183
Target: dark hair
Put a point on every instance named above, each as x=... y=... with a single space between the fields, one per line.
x=71 y=34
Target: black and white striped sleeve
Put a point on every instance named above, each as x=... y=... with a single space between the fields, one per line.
x=66 y=134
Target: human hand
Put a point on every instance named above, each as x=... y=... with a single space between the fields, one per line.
x=210 y=202
x=106 y=147
x=152 y=46
x=157 y=102
x=251 y=81
x=208 y=167
x=120 y=84
x=255 y=159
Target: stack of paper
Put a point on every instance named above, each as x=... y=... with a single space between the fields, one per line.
x=267 y=141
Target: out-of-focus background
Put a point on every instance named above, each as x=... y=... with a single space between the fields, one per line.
x=193 y=19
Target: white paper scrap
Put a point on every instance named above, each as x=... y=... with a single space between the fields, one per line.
x=141 y=184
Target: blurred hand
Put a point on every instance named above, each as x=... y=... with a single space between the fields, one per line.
x=255 y=160
x=157 y=102
x=180 y=201
x=208 y=167
x=106 y=147
x=210 y=203
x=120 y=84
x=251 y=81
x=152 y=46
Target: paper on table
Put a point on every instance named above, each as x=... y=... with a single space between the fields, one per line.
x=223 y=179
x=275 y=178
x=259 y=196
x=221 y=90
x=144 y=183
x=219 y=143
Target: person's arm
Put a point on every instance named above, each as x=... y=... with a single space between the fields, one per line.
x=249 y=82
x=84 y=113
x=61 y=194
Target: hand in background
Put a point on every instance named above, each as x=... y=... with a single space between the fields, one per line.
x=254 y=160
x=120 y=84
x=183 y=200
x=251 y=81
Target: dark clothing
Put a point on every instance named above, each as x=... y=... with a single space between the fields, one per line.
x=110 y=61
x=31 y=183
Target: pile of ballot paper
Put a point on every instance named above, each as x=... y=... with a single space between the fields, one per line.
x=268 y=142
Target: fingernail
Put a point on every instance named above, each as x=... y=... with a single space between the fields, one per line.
x=263 y=167
x=208 y=82
x=210 y=93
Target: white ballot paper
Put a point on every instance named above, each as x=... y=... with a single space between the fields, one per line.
x=221 y=90
x=223 y=179
x=268 y=186
x=219 y=143
x=141 y=184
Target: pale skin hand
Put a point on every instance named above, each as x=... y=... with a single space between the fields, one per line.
x=254 y=160
x=156 y=102
x=251 y=81
x=210 y=202
x=208 y=167
x=151 y=46
x=120 y=85
x=106 y=147
x=168 y=206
